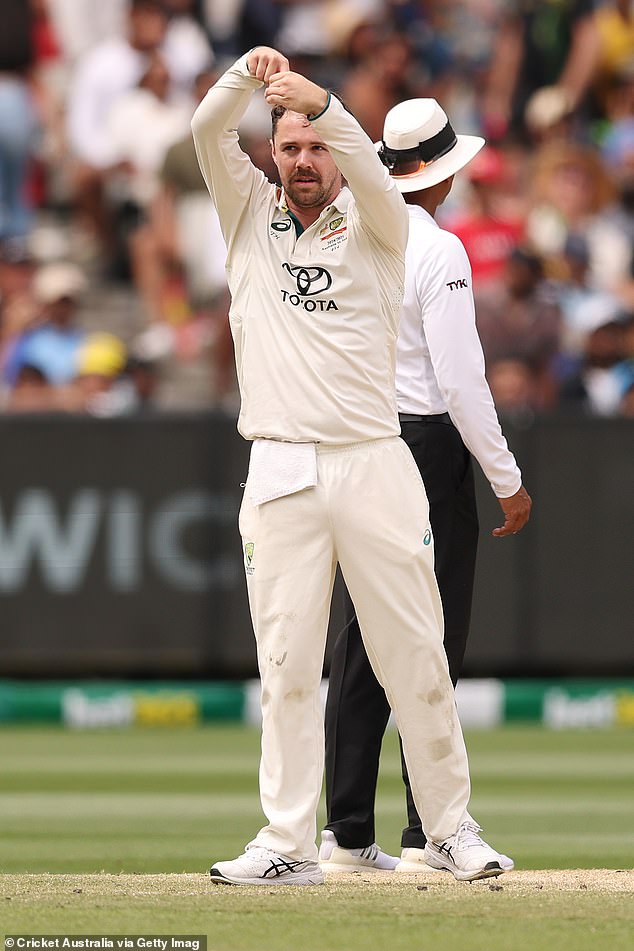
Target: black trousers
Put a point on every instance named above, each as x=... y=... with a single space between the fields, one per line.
x=357 y=710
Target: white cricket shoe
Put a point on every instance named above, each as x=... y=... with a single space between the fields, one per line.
x=334 y=858
x=465 y=854
x=259 y=866
x=413 y=860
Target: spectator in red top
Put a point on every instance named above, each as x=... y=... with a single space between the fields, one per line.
x=487 y=232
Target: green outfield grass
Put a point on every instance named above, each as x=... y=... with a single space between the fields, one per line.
x=170 y=801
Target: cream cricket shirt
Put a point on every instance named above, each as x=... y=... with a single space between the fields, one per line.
x=440 y=364
x=314 y=318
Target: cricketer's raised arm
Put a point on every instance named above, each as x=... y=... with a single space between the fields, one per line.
x=229 y=173
x=380 y=205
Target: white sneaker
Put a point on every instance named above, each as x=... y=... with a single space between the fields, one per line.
x=413 y=860
x=258 y=866
x=465 y=854
x=334 y=858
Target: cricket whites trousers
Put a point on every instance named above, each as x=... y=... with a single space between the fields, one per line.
x=369 y=512
x=357 y=710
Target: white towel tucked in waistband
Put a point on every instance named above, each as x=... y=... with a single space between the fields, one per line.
x=280 y=468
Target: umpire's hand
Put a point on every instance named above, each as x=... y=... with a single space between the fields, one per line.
x=517 y=509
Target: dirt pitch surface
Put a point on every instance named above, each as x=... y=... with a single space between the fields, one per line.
x=37 y=887
x=575 y=910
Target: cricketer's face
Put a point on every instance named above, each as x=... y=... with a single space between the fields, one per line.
x=307 y=170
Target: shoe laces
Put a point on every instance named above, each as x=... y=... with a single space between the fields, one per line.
x=468 y=835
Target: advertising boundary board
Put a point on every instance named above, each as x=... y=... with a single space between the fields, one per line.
x=482 y=704
x=120 y=555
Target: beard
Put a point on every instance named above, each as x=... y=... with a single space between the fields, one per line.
x=307 y=196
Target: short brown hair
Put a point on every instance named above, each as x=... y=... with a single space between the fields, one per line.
x=276 y=114
x=278 y=111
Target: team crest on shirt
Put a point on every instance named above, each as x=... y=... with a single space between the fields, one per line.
x=249 y=554
x=333 y=234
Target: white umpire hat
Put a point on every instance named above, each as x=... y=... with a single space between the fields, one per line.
x=420 y=148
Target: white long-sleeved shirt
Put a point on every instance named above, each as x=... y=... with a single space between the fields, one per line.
x=101 y=77
x=314 y=317
x=440 y=363
x=140 y=129
x=106 y=72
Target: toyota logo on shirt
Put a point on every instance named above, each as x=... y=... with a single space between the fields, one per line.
x=310 y=280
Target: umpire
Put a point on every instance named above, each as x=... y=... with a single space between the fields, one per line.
x=446 y=413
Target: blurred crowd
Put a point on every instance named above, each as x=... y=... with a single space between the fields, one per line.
x=112 y=288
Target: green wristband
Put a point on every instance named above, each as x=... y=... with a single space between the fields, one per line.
x=319 y=114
